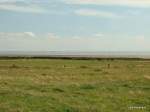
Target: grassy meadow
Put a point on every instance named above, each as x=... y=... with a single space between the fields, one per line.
x=64 y=85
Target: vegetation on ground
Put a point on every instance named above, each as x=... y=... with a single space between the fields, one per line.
x=58 y=85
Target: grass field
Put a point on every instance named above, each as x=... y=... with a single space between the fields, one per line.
x=57 y=85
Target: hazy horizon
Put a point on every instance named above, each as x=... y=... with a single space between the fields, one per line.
x=93 y=54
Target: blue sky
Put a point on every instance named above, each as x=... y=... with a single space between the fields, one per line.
x=75 y=25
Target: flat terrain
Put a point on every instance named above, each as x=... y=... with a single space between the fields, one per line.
x=57 y=85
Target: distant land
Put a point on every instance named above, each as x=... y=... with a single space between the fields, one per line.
x=75 y=54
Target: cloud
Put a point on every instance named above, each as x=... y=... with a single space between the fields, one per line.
x=29 y=6
x=28 y=41
x=130 y=3
x=142 y=40
x=99 y=35
x=52 y=36
x=21 y=7
x=16 y=35
x=26 y=1
x=96 y=13
x=23 y=41
x=30 y=34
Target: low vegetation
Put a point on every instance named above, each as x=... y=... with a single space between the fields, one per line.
x=66 y=85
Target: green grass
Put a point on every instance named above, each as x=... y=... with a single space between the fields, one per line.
x=57 y=85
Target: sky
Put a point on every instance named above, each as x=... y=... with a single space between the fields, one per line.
x=75 y=25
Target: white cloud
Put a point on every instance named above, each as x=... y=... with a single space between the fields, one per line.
x=25 y=1
x=52 y=36
x=96 y=13
x=9 y=1
x=16 y=35
x=142 y=40
x=28 y=8
x=98 y=35
x=25 y=41
x=130 y=3
x=30 y=34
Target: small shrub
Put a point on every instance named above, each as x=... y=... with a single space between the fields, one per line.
x=43 y=74
x=70 y=109
x=14 y=66
x=105 y=72
x=83 y=67
x=58 y=90
x=108 y=66
x=116 y=67
x=97 y=70
x=87 y=86
x=5 y=83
